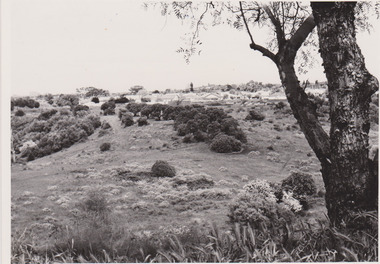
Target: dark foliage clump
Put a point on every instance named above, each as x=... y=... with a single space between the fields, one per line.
x=135 y=108
x=254 y=115
x=105 y=125
x=142 y=121
x=127 y=120
x=108 y=108
x=46 y=115
x=25 y=102
x=95 y=100
x=162 y=169
x=105 y=146
x=79 y=108
x=67 y=100
x=19 y=113
x=223 y=143
x=121 y=100
x=300 y=184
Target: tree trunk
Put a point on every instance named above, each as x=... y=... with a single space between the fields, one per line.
x=305 y=113
x=350 y=186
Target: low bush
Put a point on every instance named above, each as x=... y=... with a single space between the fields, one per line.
x=121 y=100
x=105 y=147
x=223 y=143
x=188 y=138
x=19 y=113
x=162 y=169
x=254 y=115
x=300 y=184
x=142 y=121
x=105 y=125
x=25 y=102
x=127 y=120
x=95 y=100
x=257 y=205
x=108 y=108
x=45 y=115
x=67 y=100
x=280 y=105
x=79 y=108
x=135 y=108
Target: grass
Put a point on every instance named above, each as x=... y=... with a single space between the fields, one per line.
x=298 y=242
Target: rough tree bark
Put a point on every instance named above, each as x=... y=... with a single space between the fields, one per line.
x=351 y=185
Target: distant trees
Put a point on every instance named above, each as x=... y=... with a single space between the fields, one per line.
x=92 y=92
x=135 y=89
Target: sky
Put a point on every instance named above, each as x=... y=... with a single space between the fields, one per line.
x=60 y=45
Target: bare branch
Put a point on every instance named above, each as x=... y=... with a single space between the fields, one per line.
x=277 y=24
x=253 y=45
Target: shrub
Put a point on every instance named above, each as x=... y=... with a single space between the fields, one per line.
x=95 y=202
x=45 y=115
x=135 y=108
x=145 y=100
x=223 y=143
x=142 y=121
x=254 y=115
x=127 y=120
x=108 y=108
x=95 y=100
x=181 y=130
x=162 y=169
x=121 y=100
x=280 y=105
x=105 y=147
x=105 y=125
x=19 y=113
x=25 y=102
x=188 y=138
x=79 y=108
x=300 y=184
x=257 y=205
x=67 y=99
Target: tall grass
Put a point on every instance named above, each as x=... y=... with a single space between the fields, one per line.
x=299 y=241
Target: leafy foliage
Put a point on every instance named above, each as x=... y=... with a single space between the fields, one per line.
x=127 y=120
x=162 y=169
x=24 y=102
x=105 y=146
x=223 y=143
x=108 y=107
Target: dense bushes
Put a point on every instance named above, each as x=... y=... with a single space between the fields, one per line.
x=135 y=108
x=162 y=169
x=223 y=143
x=50 y=132
x=24 y=102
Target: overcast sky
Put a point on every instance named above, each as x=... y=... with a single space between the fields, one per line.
x=60 y=45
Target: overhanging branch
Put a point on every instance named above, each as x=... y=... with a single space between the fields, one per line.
x=253 y=45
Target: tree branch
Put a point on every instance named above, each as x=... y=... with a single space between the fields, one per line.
x=277 y=24
x=253 y=45
x=302 y=32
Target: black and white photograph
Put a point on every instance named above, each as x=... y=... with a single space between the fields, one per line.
x=160 y=131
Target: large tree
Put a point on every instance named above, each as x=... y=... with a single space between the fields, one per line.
x=352 y=184
x=292 y=24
